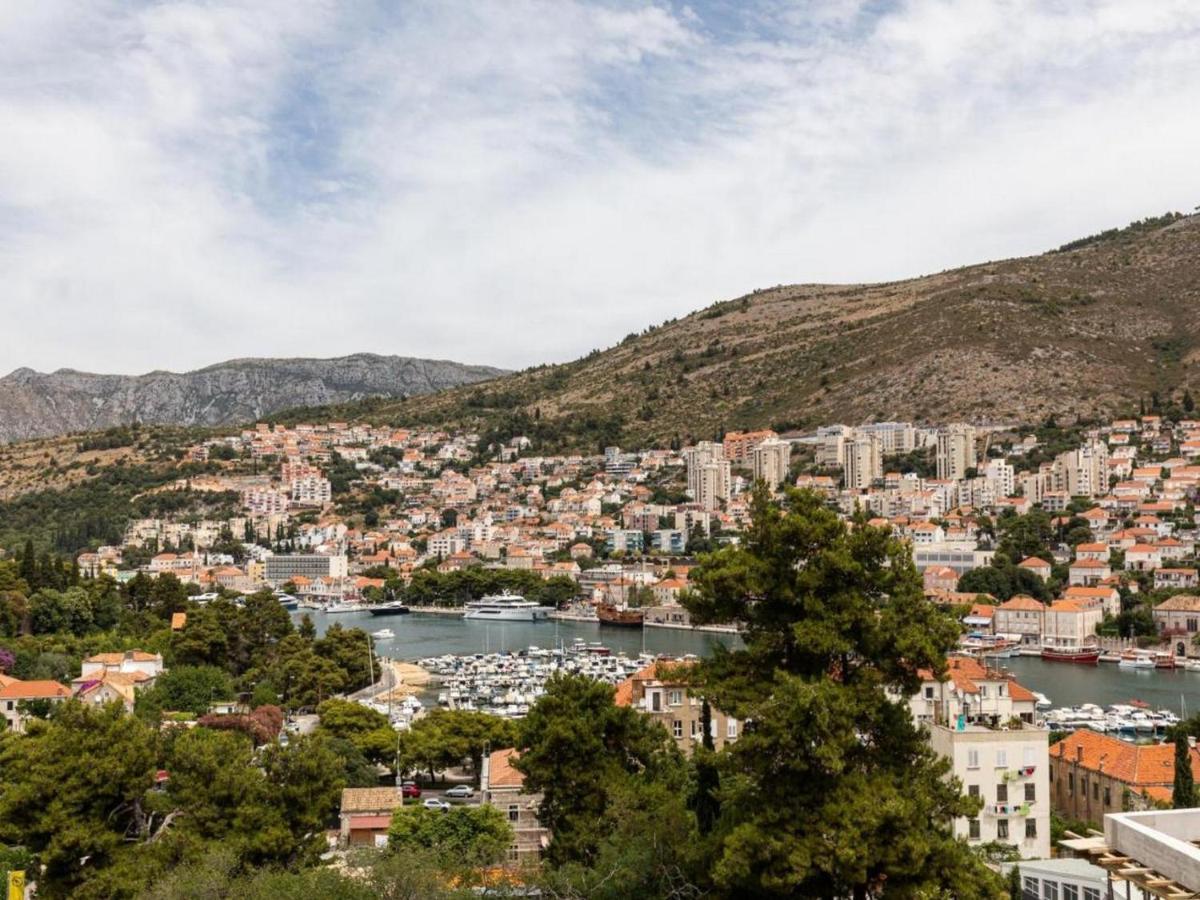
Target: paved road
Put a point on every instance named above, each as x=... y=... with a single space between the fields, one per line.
x=387 y=681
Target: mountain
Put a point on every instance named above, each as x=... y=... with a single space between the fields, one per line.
x=33 y=404
x=1087 y=329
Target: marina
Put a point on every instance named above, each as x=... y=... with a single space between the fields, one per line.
x=420 y=635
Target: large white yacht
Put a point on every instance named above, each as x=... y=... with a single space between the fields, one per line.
x=505 y=607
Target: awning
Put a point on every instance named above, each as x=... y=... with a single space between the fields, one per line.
x=369 y=822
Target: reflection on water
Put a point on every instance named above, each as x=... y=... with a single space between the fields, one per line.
x=421 y=634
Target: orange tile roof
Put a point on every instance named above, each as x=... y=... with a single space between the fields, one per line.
x=34 y=690
x=1023 y=601
x=1138 y=765
x=500 y=769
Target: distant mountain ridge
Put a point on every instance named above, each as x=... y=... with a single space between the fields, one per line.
x=36 y=404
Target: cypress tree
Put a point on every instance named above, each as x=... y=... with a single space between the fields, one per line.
x=1183 y=796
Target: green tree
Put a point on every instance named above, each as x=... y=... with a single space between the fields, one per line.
x=1183 y=793
x=367 y=730
x=1014 y=883
x=464 y=835
x=833 y=791
x=187 y=689
x=577 y=748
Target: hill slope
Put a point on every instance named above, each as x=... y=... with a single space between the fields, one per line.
x=1086 y=329
x=33 y=404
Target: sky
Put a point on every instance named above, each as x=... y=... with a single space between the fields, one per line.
x=511 y=182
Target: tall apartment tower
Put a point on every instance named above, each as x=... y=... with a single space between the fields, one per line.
x=715 y=484
x=862 y=461
x=697 y=458
x=956 y=451
x=771 y=460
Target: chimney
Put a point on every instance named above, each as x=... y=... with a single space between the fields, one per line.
x=1079 y=753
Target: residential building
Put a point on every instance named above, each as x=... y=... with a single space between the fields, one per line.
x=1071 y=624
x=279 y=569
x=771 y=461
x=366 y=815
x=1067 y=878
x=696 y=458
x=16 y=698
x=665 y=698
x=1093 y=774
x=503 y=787
x=1178 y=618
x=971 y=691
x=956 y=451
x=737 y=445
x=149 y=665
x=1006 y=769
x=862 y=461
x=714 y=484
x=1020 y=618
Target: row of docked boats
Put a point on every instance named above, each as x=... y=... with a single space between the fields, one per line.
x=1121 y=720
x=508 y=684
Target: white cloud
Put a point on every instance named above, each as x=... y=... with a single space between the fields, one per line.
x=521 y=182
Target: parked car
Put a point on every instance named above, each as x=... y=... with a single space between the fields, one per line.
x=409 y=789
x=435 y=803
x=460 y=792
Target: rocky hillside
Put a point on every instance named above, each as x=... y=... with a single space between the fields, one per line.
x=33 y=404
x=1089 y=328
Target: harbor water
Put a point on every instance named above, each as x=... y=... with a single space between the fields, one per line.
x=420 y=635
x=1107 y=684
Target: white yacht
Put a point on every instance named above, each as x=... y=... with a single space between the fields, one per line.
x=505 y=607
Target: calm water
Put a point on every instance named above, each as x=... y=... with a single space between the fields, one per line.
x=1107 y=683
x=422 y=634
x=419 y=635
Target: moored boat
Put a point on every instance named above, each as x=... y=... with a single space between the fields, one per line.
x=1087 y=656
x=625 y=618
x=506 y=607
x=391 y=608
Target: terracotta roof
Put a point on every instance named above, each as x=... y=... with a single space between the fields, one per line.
x=34 y=690
x=369 y=800
x=1138 y=765
x=110 y=659
x=1034 y=562
x=1180 y=603
x=371 y=822
x=500 y=769
x=1022 y=601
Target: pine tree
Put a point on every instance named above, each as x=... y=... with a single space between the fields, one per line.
x=705 y=802
x=1183 y=796
x=1014 y=883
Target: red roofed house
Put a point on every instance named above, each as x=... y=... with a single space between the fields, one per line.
x=1092 y=774
x=1020 y=617
x=939 y=578
x=1088 y=572
x=1036 y=565
x=503 y=787
x=16 y=694
x=366 y=815
x=1109 y=596
x=663 y=695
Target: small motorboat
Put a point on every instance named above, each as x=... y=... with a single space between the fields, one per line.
x=383 y=634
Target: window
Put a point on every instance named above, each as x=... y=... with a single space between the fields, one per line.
x=1031 y=888
x=513 y=854
x=1030 y=792
x=999 y=690
x=972 y=759
x=1083 y=784
x=1002 y=829
x=983 y=690
x=1107 y=797
x=1031 y=828
x=1070 y=892
x=656 y=701
x=972 y=790
x=731 y=729
x=1002 y=793
x=1091 y=893
x=1096 y=789
x=677 y=728
x=973 y=829
x=675 y=698
x=1029 y=756
x=928 y=692
x=1001 y=759
x=514 y=812
x=696 y=730
x=1070 y=782
x=1050 y=890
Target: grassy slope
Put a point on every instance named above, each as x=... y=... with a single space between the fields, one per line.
x=1078 y=332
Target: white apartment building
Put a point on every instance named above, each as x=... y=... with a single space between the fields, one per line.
x=956 y=451
x=894 y=437
x=696 y=458
x=831 y=443
x=1001 y=476
x=862 y=461
x=311 y=490
x=714 y=484
x=263 y=502
x=279 y=568
x=771 y=460
x=1083 y=472
x=1008 y=769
